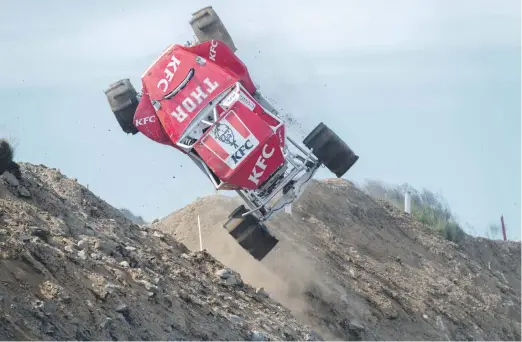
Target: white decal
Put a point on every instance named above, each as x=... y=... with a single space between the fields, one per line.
x=144 y=121
x=196 y=97
x=163 y=84
x=246 y=101
x=179 y=114
x=212 y=52
x=255 y=175
x=199 y=95
x=229 y=100
x=211 y=86
x=231 y=140
x=189 y=104
x=234 y=96
x=280 y=135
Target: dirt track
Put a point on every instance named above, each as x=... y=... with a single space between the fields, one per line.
x=356 y=268
x=74 y=268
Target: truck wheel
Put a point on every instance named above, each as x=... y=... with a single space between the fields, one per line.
x=331 y=151
x=123 y=100
x=207 y=25
x=252 y=235
x=260 y=242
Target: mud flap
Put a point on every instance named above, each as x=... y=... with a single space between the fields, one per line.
x=252 y=235
x=331 y=150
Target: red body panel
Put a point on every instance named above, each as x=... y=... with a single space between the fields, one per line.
x=244 y=147
x=220 y=54
x=166 y=74
x=147 y=122
x=241 y=149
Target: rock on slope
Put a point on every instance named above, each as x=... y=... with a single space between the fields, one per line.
x=356 y=268
x=73 y=267
x=134 y=219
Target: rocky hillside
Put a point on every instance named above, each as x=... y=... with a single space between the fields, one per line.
x=355 y=268
x=74 y=268
x=134 y=219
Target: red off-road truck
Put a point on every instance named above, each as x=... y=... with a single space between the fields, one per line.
x=199 y=98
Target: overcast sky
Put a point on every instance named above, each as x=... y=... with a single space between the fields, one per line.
x=426 y=92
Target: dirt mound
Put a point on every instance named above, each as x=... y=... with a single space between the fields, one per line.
x=75 y=268
x=356 y=268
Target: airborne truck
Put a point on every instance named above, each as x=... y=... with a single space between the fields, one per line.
x=199 y=98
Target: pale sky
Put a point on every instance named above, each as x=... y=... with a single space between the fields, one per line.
x=426 y=92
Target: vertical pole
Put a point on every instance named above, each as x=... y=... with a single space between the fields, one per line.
x=503 y=227
x=407 y=202
x=200 y=240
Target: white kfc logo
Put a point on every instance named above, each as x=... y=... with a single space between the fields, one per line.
x=231 y=140
x=169 y=71
x=144 y=121
x=260 y=164
x=212 y=52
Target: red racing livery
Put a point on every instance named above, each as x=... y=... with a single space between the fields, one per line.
x=200 y=99
x=243 y=148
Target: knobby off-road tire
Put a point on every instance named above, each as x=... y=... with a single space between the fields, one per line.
x=252 y=235
x=207 y=25
x=123 y=100
x=331 y=150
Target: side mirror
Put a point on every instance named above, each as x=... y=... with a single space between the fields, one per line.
x=207 y=25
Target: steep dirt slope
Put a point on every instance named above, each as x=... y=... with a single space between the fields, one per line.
x=356 y=268
x=73 y=267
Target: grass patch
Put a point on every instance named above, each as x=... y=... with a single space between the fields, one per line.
x=429 y=208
